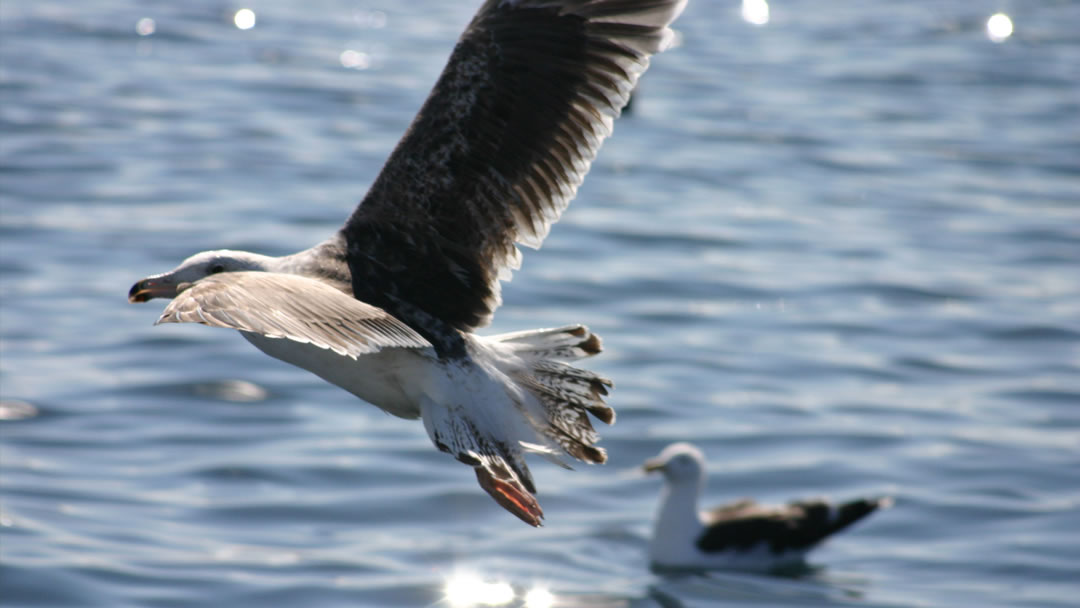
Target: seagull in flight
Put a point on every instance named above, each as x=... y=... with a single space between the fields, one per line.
x=388 y=306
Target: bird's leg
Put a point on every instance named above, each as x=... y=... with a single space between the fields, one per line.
x=511 y=496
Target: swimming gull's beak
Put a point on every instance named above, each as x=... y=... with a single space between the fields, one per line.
x=653 y=465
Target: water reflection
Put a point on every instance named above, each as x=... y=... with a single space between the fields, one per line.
x=240 y=391
x=244 y=18
x=999 y=27
x=355 y=60
x=466 y=590
x=371 y=19
x=13 y=409
x=539 y=597
x=145 y=26
x=802 y=585
x=755 y=11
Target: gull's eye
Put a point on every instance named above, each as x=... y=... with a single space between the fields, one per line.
x=216 y=268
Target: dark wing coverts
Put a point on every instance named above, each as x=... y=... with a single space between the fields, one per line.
x=796 y=526
x=497 y=151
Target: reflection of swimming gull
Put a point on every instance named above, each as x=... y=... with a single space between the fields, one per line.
x=386 y=307
x=742 y=534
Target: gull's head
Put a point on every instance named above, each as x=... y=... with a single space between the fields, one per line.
x=678 y=462
x=168 y=284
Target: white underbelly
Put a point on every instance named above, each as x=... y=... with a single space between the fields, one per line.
x=390 y=379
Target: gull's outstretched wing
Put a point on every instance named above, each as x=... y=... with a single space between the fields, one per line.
x=498 y=150
x=292 y=307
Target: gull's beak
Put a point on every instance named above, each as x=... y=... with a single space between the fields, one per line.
x=653 y=465
x=150 y=288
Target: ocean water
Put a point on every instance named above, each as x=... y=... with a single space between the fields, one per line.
x=839 y=251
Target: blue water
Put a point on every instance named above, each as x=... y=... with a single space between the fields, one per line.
x=840 y=252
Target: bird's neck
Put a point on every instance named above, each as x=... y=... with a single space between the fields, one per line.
x=680 y=501
x=264 y=263
x=678 y=523
x=325 y=262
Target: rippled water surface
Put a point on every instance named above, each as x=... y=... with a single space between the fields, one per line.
x=839 y=251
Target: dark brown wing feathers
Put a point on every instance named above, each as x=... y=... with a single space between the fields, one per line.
x=796 y=526
x=498 y=150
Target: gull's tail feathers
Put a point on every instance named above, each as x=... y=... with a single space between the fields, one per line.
x=517 y=394
x=566 y=394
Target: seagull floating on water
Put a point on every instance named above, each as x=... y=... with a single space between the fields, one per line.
x=741 y=535
x=387 y=307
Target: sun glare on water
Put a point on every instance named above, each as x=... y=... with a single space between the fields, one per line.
x=538 y=597
x=244 y=18
x=999 y=27
x=755 y=11
x=467 y=590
